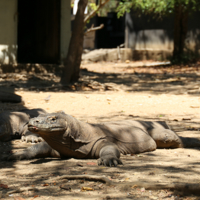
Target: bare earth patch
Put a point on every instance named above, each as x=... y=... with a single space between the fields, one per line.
x=153 y=93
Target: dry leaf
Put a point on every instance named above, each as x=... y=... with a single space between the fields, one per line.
x=35 y=197
x=153 y=197
x=194 y=106
x=65 y=187
x=79 y=164
x=151 y=173
x=186 y=118
x=91 y=163
x=3 y=186
x=134 y=186
x=86 y=189
x=18 y=198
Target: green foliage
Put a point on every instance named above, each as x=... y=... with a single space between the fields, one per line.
x=161 y=7
x=124 y=7
x=108 y=7
x=93 y=6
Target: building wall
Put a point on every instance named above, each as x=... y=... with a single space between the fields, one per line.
x=146 y=32
x=9 y=26
x=193 y=34
x=8 y=33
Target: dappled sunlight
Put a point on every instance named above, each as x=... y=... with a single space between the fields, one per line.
x=121 y=92
x=153 y=79
x=158 y=167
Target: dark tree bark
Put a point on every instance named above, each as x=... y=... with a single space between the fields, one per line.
x=180 y=30
x=73 y=59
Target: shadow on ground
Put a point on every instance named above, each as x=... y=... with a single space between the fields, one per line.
x=162 y=166
x=173 y=79
x=157 y=79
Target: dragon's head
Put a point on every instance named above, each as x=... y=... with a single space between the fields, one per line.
x=48 y=123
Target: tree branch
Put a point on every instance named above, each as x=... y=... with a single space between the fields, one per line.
x=93 y=13
x=94 y=28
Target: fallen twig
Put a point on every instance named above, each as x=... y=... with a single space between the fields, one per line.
x=19 y=190
x=86 y=177
x=183 y=187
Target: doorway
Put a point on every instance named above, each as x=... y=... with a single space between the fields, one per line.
x=39 y=31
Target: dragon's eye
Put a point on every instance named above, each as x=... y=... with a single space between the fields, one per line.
x=53 y=119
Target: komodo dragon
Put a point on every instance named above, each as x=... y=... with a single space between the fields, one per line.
x=14 y=125
x=67 y=137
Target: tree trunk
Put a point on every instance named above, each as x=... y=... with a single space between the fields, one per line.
x=73 y=60
x=180 y=31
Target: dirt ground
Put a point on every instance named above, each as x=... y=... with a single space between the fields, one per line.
x=105 y=92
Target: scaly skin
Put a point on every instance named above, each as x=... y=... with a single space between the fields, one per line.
x=14 y=125
x=67 y=137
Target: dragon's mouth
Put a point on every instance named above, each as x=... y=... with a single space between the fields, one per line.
x=51 y=129
x=32 y=128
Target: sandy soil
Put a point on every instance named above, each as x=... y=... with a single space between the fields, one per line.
x=170 y=94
